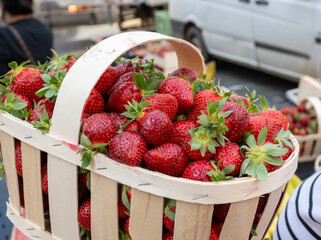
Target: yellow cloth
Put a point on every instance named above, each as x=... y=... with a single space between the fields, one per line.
x=294 y=182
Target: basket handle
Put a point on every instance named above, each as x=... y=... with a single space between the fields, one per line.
x=84 y=74
x=316 y=103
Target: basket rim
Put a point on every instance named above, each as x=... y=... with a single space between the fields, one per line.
x=153 y=182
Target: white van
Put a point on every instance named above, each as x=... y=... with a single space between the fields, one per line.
x=282 y=37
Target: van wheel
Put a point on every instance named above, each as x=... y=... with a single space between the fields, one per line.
x=194 y=36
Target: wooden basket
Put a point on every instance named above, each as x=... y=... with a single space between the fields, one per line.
x=195 y=200
x=310 y=145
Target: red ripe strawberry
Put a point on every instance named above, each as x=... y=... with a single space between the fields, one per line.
x=216 y=228
x=84 y=215
x=167 y=235
x=168 y=223
x=188 y=73
x=122 y=209
x=181 y=90
x=127 y=226
x=120 y=97
x=44 y=178
x=237 y=122
x=285 y=111
x=129 y=67
x=34 y=114
x=287 y=155
x=230 y=154
x=270 y=167
x=18 y=158
x=256 y=124
x=95 y=103
x=49 y=104
x=181 y=136
x=99 y=128
x=200 y=103
x=198 y=171
x=132 y=127
x=26 y=81
x=82 y=178
x=273 y=114
x=118 y=119
x=21 y=193
x=274 y=127
x=220 y=211
x=244 y=100
x=155 y=126
x=304 y=119
x=127 y=77
x=164 y=102
x=168 y=158
x=22 y=99
x=128 y=148
x=106 y=81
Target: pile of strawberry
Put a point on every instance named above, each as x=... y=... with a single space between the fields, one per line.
x=302 y=120
x=179 y=125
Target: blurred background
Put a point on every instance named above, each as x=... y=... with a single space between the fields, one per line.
x=267 y=45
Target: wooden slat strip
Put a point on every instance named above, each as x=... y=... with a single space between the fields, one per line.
x=192 y=221
x=104 y=214
x=268 y=213
x=32 y=187
x=238 y=222
x=146 y=216
x=63 y=198
x=9 y=161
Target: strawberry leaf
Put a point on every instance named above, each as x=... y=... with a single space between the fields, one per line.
x=124 y=199
x=86 y=158
x=169 y=213
x=84 y=140
x=262 y=136
x=261 y=172
x=2 y=171
x=244 y=166
x=88 y=182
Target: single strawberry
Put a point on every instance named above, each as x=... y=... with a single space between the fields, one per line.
x=256 y=124
x=84 y=215
x=15 y=105
x=24 y=80
x=183 y=133
x=259 y=155
x=154 y=125
x=106 y=81
x=122 y=209
x=220 y=211
x=129 y=65
x=83 y=178
x=44 y=178
x=70 y=62
x=181 y=90
x=169 y=215
x=95 y=103
x=168 y=158
x=64 y=62
x=273 y=114
x=285 y=111
x=128 y=147
x=132 y=127
x=237 y=122
x=127 y=226
x=127 y=77
x=188 y=73
x=18 y=158
x=127 y=92
x=99 y=128
x=49 y=104
x=198 y=171
x=229 y=154
x=216 y=228
x=40 y=118
x=118 y=119
x=274 y=127
x=200 y=103
x=164 y=102
x=22 y=98
x=305 y=119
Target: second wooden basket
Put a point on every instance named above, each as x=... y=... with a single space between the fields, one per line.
x=195 y=200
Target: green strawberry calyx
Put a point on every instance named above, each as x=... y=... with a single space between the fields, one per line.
x=44 y=122
x=215 y=120
x=257 y=153
x=12 y=105
x=58 y=62
x=123 y=235
x=203 y=139
x=89 y=150
x=135 y=110
x=85 y=234
x=251 y=97
x=220 y=175
x=51 y=85
x=124 y=198
x=167 y=211
x=283 y=138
